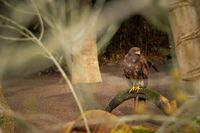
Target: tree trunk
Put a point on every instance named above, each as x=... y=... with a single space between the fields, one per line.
x=85 y=70
x=6 y=122
x=85 y=67
x=186 y=30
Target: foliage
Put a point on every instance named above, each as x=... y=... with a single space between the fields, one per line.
x=99 y=121
x=141 y=129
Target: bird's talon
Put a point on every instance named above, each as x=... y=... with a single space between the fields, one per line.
x=138 y=88
x=134 y=89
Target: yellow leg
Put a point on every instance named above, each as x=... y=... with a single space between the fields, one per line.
x=139 y=106
x=135 y=104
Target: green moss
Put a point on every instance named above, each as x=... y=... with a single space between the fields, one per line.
x=141 y=129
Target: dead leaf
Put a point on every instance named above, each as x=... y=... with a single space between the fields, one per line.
x=99 y=122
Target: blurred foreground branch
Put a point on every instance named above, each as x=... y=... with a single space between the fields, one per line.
x=6 y=122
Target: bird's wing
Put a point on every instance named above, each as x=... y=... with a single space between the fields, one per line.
x=145 y=67
x=126 y=67
x=151 y=64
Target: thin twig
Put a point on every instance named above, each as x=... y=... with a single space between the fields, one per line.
x=14 y=38
x=160 y=118
x=67 y=81
x=29 y=33
x=40 y=20
x=15 y=29
x=16 y=9
x=9 y=113
x=181 y=109
x=37 y=41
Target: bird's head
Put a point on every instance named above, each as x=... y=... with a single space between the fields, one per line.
x=134 y=51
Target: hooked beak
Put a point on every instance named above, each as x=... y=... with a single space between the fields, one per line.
x=138 y=52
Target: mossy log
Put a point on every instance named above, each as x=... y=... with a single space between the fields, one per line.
x=167 y=106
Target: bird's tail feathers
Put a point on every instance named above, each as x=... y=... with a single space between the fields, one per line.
x=152 y=65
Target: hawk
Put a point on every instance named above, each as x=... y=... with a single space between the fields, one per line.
x=135 y=68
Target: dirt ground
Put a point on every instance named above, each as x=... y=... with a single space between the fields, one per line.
x=46 y=99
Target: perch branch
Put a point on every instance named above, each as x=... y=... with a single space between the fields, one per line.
x=168 y=107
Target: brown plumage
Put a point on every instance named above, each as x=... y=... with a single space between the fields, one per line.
x=135 y=68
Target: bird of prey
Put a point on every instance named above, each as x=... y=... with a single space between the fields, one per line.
x=135 y=68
